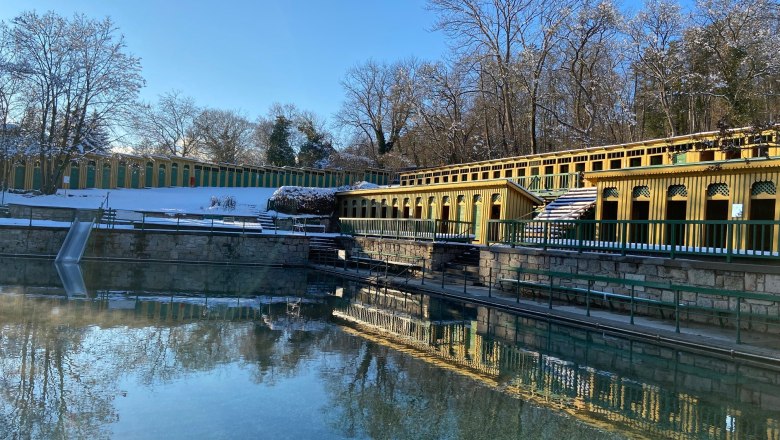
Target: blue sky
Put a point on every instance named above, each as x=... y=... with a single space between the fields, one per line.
x=246 y=55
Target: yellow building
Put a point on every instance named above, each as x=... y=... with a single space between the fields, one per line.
x=132 y=171
x=470 y=203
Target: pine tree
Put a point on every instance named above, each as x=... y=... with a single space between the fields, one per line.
x=280 y=153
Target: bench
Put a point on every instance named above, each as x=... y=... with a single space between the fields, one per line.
x=677 y=306
x=303 y=227
x=381 y=259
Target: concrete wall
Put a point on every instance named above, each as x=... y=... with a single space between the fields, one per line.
x=131 y=244
x=497 y=262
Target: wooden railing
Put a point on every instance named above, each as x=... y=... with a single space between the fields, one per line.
x=670 y=238
x=416 y=229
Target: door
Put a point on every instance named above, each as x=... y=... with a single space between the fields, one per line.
x=759 y=237
x=609 y=213
x=715 y=234
x=675 y=211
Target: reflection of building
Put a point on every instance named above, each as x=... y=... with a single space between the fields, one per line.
x=131 y=171
x=648 y=406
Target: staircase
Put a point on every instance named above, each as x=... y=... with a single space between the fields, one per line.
x=322 y=249
x=266 y=221
x=570 y=206
x=463 y=268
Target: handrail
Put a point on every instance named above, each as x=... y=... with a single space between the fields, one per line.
x=416 y=229
x=671 y=238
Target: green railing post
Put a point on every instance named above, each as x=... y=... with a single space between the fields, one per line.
x=546 y=234
x=490 y=282
x=677 y=310
x=632 y=304
x=623 y=237
x=550 y=299
x=434 y=229
x=587 y=298
x=739 y=320
x=729 y=241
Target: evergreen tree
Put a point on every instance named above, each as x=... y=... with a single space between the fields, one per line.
x=280 y=153
x=316 y=147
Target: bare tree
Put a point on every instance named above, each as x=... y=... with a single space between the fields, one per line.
x=655 y=34
x=586 y=85
x=80 y=82
x=736 y=42
x=442 y=119
x=379 y=102
x=505 y=32
x=167 y=126
x=225 y=136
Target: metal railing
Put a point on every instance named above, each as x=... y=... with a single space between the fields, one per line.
x=550 y=183
x=416 y=229
x=669 y=238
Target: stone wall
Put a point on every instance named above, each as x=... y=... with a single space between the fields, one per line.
x=497 y=262
x=40 y=276
x=51 y=213
x=435 y=254
x=265 y=249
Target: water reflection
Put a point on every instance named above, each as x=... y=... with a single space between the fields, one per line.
x=356 y=361
x=184 y=358
x=641 y=388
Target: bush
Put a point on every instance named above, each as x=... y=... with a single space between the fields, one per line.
x=228 y=203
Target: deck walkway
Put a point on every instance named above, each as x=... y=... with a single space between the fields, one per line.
x=756 y=347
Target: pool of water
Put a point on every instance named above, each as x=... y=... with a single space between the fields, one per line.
x=184 y=351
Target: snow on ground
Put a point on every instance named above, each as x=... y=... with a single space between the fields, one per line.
x=172 y=200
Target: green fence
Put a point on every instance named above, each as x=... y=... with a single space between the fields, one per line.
x=670 y=238
x=550 y=184
x=416 y=229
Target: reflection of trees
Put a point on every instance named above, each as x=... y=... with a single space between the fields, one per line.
x=61 y=362
x=384 y=394
x=48 y=391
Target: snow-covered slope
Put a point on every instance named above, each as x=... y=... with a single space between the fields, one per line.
x=174 y=200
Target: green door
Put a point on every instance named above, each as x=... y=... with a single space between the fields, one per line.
x=19 y=176
x=135 y=176
x=185 y=176
x=121 y=174
x=231 y=178
x=175 y=174
x=476 y=219
x=214 y=176
x=149 y=174
x=74 y=176
x=161 y=176
x=106 y=177
x=198 y=173
x=37 y=176
x=90 y=174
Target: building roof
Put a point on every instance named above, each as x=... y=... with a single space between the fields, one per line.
x=446 y=187
x=744 y=165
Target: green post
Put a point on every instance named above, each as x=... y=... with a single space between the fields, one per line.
x=632 y=304
x=587 y=298
x=546 y=233
x=490 y=282
x=623 y=237
x=549 y=302
x=729 y=241
x=677 y=311
x=739 y=320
